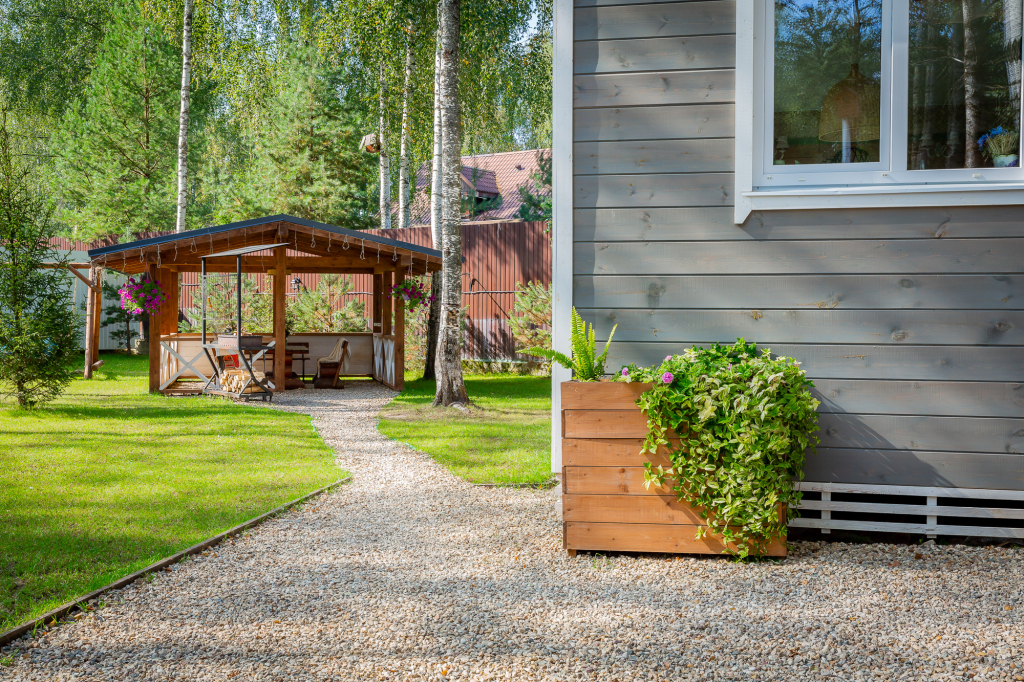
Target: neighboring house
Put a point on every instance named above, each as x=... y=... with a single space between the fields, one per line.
x=490 y=186
x=823 y=179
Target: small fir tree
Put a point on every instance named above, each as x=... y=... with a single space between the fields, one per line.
x=40 y=332
x=530 y=320
x=325 y=310
x=124 y=323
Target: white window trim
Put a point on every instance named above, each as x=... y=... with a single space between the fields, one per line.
x=757 y=190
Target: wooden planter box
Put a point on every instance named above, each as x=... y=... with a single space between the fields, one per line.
x=605 y=506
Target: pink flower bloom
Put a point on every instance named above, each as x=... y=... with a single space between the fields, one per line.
x=625 y=372
x=667 y=377
x=668 y=357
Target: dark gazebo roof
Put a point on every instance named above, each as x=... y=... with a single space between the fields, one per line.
x=312 y=246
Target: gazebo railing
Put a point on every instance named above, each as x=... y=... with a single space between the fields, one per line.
x=384 y=359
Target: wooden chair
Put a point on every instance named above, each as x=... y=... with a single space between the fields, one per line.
x=334 y=361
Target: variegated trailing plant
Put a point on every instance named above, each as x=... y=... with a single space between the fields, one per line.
x=745 y=420
x=585 y=364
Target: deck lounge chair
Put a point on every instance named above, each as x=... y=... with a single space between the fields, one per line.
x=336 y=361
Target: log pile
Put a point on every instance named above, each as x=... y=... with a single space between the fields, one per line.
x=234 y=379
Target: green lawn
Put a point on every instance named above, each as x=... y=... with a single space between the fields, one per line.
x=504 y=438
x=109 y=479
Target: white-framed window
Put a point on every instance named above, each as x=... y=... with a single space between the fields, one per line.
x=878 y=102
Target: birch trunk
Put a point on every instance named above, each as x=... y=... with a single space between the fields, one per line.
x=1013 y=13
x=385 y=161
x=404 y=189
x=186 y=83
x=434 y=318
x=451 y=389
x=435 y=167
x=972 y=126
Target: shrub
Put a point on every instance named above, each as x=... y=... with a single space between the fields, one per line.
x=745 y=420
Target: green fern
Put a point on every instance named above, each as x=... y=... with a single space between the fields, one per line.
x=584 y=363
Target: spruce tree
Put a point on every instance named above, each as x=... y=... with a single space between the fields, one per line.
x=309 y=161
x=116 y=146
x=40 y=333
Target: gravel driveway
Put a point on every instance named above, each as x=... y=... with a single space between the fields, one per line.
x=408 y=573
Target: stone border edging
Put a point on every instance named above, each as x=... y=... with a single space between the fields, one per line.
x=61 y=611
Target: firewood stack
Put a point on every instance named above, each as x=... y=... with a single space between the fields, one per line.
x=234 y=379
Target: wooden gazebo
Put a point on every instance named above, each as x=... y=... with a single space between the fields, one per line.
x=312 y=247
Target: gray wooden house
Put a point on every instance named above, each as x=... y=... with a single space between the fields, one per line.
x=838 y=180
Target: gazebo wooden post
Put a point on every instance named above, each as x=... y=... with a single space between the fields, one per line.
x=378 y=303
x=98 y=317
x=399 y=335
x=92 y=314
x=386 y=302
x=154 y=338
x=169 y=310
x=280 y=292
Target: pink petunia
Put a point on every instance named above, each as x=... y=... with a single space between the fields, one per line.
x=667 y=377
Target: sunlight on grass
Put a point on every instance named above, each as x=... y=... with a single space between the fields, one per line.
x=109 y=479
x=504 y=438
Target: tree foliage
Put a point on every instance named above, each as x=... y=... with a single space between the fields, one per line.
x=39 y=330
x=530 y=320
x=117 y=147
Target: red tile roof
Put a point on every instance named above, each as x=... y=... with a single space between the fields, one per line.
x=493 y=174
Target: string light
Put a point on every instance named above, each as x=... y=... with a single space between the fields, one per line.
x=362 y=250
x=329 y=235
x=193 y=248
x=312 y=241
x=175 y=252
x=378 y=252
x=394 y=255
x=345 y=245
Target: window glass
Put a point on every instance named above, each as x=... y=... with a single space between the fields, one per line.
x=828 y=57
x=964 y=84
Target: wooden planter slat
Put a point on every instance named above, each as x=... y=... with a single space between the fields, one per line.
x=628 y=509
x=609 y=481
x=610 y=452
x=601 y=395
x=605 y=506
x=647 y=537
x=604 y=424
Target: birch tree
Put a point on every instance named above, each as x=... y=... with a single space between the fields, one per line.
x=385 y=161
x=451 y=388
x=434 y=318
x=404 y=190
x=186 y=80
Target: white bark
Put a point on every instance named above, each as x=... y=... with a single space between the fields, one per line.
x=1013 y=13
x=435 y=166
x=385 y=161
x=451 y=388
x=404 y=190
x=186 y=82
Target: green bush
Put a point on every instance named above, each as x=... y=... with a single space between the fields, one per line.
x=745 y=419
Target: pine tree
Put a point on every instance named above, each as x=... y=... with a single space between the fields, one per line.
x=116 y=147
x=40 y=334
x=309 y=161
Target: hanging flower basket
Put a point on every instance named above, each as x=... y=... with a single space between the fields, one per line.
x=144 y=296
x=413 y=293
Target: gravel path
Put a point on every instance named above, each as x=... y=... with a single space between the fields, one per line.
x=411 y=574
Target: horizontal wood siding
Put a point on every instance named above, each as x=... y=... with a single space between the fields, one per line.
x=910 y=321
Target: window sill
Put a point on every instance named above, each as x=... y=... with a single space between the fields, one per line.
x=879 y=196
